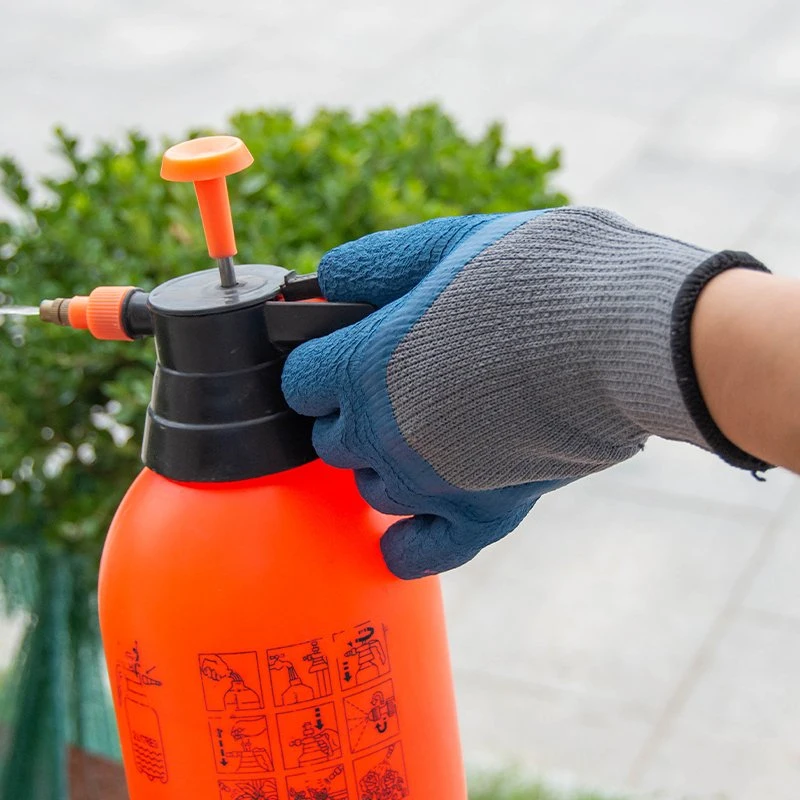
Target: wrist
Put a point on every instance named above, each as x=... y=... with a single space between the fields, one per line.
x=745 y=343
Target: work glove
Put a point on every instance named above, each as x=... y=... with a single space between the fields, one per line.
x=508 y=356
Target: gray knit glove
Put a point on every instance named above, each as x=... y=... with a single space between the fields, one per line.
x=510 y=354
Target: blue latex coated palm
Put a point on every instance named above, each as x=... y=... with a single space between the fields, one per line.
x=342 y=380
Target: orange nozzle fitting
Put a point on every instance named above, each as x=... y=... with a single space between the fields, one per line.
x=206 y=162
x=100 y=313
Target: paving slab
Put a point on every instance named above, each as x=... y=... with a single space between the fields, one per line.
x=775 y=590
x=602 y=596
x=576 y=739
x=734 y=738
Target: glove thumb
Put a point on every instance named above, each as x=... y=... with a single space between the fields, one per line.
x=384 y=266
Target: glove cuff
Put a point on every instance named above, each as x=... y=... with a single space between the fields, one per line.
x=683 y=363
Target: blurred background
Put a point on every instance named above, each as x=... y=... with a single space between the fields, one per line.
x=640 y=633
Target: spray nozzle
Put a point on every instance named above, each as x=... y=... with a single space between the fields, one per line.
x=109 y=312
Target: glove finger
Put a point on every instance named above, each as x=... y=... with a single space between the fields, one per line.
x=428 y=544
x=425 y=545
x=312 y=375
x=383 y=266
x=332 y=442
x=373 y=489
x=316 y=374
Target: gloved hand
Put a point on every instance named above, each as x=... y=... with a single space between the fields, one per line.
x=509 y=355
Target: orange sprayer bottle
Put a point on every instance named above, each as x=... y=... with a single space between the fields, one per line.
x=257 y=646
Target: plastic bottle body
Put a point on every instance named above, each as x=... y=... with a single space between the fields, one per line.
x=259 y=649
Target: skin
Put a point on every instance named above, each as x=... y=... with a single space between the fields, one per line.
x=746 y=351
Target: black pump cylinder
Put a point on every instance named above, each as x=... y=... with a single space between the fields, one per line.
x=217 y=412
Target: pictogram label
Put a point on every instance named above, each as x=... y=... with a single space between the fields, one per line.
x=136 y=684
x=145 y=733
x=309 y=736
x=371 y=716
x=256 y=789
x=362 y=655
x=299 y=673
x=326 y=784
x=382 y=775
x=231 y=681
x=316 y=719
x=241 y=745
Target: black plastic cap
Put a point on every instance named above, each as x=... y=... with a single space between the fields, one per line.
x=217 y=412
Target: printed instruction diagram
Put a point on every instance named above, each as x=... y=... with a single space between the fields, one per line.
x=241 y=745
x=135 y=683
x=327 y=784
x=309 y=736
x=362 y=655
x=371 y=716
x=266 y=789
x=231 y=681
x=382 y=775
x=299 y=673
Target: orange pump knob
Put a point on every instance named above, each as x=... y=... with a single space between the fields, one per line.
x=206 y=162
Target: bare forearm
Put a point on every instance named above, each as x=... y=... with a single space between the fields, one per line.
x=746 y=352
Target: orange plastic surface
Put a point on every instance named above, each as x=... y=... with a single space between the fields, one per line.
x=77 y=311
x=100 y=313
x=104 y=313
x=206 y=162
x=215 y=211
x=205 y=158
x=257 y=646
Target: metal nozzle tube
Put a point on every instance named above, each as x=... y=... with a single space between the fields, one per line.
x=227 y=277
x=55 y=311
